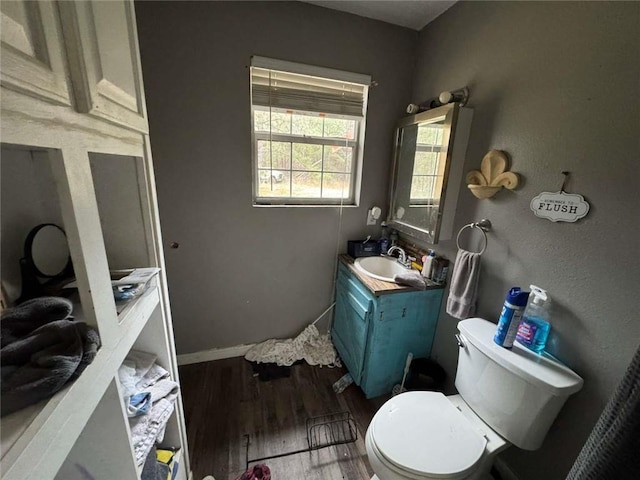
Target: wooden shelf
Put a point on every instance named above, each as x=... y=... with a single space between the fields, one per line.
x=40 y=437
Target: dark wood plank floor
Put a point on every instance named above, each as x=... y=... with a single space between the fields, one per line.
x=224 y=401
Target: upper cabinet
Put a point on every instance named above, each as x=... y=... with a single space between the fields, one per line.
x=32 y=50
x=92 y=43
x=104 y=61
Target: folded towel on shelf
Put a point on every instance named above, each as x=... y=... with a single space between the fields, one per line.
x=131 y=372
x=20 y=321
x=142 y=378
x=40 y=364
x=410 y=278
x=146 y=430
x=149 y=429
x=463 y=287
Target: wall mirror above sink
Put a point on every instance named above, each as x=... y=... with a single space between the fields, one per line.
x=429 y=153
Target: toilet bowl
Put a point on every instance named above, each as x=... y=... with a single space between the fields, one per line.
x=506 y=397
x=425 y=435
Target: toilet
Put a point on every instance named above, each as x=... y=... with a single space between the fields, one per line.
x=506 y=397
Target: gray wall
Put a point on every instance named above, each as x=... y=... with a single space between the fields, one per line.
x=556 y=86
x=29 y=198
x=245 y=274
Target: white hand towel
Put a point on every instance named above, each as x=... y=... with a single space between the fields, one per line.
x=463 y=288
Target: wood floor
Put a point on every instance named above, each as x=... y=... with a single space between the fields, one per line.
x=224 y=402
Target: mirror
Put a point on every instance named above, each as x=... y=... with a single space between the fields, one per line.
x=49 y=251
x=46 y=256
x=422 y=168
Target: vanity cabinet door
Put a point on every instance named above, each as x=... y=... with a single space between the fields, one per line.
x=32 y=50
x=104 y=61
x=405 y=323
x=351 y=320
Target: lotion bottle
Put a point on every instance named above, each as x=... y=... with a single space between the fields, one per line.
x=427 y=264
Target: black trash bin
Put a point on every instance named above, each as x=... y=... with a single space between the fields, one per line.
x=425 y=374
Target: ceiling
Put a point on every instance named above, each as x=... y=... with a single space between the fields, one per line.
x=413 y=14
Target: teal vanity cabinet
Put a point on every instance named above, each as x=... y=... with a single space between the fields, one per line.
x=375 y=328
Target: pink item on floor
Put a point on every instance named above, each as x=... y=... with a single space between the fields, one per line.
x=257 y=472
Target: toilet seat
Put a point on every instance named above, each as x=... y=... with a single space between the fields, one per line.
x=425 y=435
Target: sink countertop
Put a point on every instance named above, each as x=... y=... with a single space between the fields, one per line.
x=380 y=287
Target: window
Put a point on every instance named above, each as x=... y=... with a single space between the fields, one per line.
x=308 y=128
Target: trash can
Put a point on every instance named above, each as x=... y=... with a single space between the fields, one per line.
x=425 y=374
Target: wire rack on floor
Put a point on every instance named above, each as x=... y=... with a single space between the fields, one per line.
x=322 y=432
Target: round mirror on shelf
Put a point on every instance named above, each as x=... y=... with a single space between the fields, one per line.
x=46 y=256
x=49 y=250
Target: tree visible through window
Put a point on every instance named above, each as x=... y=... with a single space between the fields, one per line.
x=306 y=155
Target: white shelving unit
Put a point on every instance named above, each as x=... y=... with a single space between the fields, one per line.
x=76 y=152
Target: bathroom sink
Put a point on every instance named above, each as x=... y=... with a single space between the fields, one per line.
x=380 y=268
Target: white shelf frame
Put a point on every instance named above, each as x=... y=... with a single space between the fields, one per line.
x=49 y=437
x=50 y=429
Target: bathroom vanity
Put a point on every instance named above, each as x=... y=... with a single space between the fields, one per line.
x=376 y=324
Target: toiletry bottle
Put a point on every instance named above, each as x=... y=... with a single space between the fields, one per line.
x=534 y=327
x=427 y=268
x=393 y=238
x=443 y=272
x=510 y=316
x=384 y=239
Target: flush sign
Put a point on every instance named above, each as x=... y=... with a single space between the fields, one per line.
x=560 y=206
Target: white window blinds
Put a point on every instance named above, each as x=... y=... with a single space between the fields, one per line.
x=288 y=85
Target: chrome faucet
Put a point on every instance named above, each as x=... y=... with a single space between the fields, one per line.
x=402 y=256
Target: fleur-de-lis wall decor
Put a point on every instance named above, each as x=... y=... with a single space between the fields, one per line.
x=492 y=176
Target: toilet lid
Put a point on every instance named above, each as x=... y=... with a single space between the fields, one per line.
x=424 y=433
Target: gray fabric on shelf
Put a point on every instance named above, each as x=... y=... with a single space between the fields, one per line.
x=23 y=319
x=153 y=469
x=463 y=287
x=410 y=278
x=612 y=450
x=42 y=354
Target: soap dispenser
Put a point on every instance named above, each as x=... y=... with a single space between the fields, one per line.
x=534 y=327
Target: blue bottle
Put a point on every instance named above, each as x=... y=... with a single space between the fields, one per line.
x=510 y=316
x=534 y=327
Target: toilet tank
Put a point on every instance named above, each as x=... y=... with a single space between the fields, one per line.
x=517 y=392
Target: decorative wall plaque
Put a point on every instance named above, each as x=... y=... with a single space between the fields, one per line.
x=560 y=206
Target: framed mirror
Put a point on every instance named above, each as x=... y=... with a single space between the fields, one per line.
x=427 y=170
x=46 y=257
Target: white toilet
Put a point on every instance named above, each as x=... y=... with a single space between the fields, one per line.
x=505 y=397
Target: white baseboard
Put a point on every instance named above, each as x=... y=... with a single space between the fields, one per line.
x=213 y=354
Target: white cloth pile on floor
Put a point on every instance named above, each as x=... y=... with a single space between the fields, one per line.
x=149 y=396
x=310 y=345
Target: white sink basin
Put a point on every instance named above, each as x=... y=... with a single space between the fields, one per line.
x=380 y=268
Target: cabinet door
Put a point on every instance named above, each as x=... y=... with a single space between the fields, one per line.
x=405 y=322
x=351 y=325
x=102 y=47
x=32 y=51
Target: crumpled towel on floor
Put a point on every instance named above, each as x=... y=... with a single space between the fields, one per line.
x=310 y=345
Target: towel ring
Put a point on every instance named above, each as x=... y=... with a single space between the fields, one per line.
x=484 y=226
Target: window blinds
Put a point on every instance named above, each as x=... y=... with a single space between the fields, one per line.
x=293 y=86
